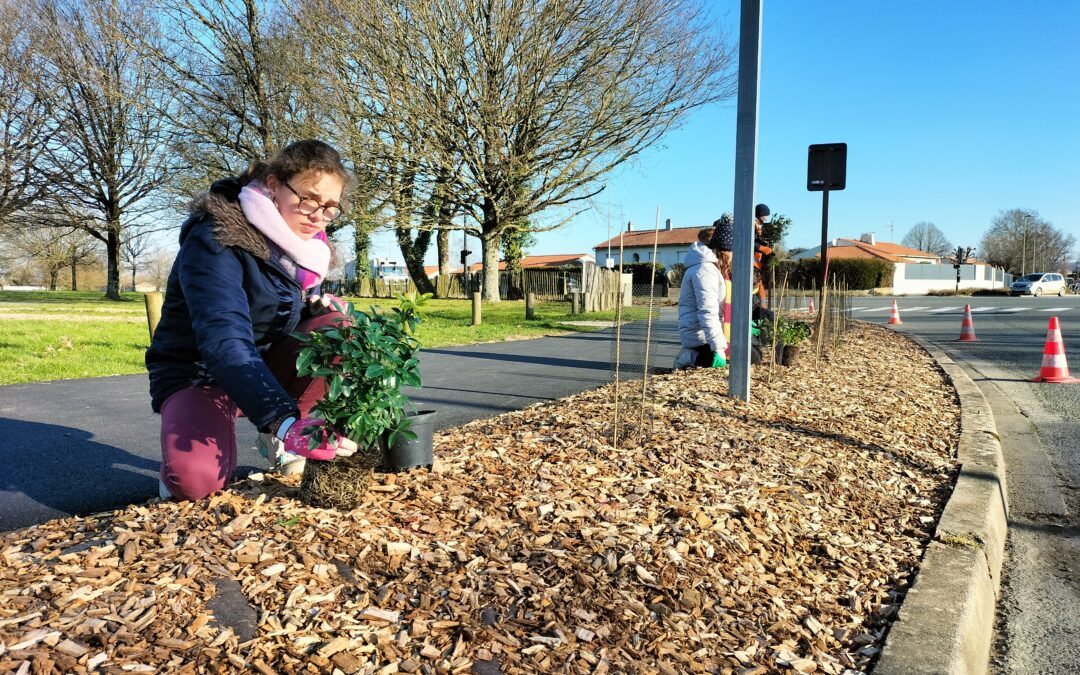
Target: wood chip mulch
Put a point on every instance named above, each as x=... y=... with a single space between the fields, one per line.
x=775 y=536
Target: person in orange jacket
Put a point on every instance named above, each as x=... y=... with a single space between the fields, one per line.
x=762 y=253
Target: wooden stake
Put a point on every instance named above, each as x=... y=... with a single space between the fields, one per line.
x=648 y=331
x=618 y=344
x=153 y=301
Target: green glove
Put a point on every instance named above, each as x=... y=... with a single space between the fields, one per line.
x=718 y=361
x=754 y=329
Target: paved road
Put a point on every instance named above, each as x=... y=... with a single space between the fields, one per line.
x=82 y=446
x=1038 y=623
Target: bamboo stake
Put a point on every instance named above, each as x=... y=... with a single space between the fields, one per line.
x=618 y=344
x=648 y=330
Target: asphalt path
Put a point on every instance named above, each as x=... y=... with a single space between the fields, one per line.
x=76 y=447
x=1038 y=627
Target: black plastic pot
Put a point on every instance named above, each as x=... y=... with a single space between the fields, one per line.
x=410 y=453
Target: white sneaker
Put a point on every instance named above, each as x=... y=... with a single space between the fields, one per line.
x=280 y=461
x=163 y=492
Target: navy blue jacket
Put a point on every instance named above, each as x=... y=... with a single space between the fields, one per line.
x=226 y=302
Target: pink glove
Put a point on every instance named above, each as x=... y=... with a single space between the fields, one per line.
x=321 y=304
x=297 y=442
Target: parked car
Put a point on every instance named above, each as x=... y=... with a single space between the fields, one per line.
x=1038 y=283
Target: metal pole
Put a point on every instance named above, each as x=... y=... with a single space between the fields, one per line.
x=822 y=298
x=745 y=161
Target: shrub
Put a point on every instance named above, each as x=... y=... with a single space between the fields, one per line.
x=857 y=274
x=641 y=270
x=365 y=360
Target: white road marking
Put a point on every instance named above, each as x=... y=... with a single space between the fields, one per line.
x=982 y=309
x=946 y=309
x=1014 y=310
x=913 y=309
x=1056 y=309
x=875 y=309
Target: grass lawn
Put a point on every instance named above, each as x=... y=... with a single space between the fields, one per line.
x=55 y=335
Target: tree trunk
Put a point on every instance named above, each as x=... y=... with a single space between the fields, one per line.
x=443 y=244
x=74 y=275
x=361 y=249
x=53 y=274
x=112 y=247
x=490 y=244
x=414 y=252
x=132 y=278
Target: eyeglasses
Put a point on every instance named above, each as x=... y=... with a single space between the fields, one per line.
x=309 y=206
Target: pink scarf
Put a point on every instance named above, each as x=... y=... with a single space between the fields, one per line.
x=312 y=256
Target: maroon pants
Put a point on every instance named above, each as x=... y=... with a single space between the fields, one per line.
x=198 y=425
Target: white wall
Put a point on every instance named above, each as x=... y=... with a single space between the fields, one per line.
x=665 y=255
x=905 y=286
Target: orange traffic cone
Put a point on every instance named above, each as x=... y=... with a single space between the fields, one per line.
x=967 y=327
x=895 y=318
x=1054 y=367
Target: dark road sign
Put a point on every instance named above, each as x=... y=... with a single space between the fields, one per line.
x=827 y=167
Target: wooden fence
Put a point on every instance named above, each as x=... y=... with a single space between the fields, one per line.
x=602 y=289
x=547 y=285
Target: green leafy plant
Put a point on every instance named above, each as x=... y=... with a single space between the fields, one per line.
x=790 y=333
x=366 y=360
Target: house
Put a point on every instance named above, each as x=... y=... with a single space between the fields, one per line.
x=558 y=261
x=915 y=272
x=672 y=245
x=868 y=247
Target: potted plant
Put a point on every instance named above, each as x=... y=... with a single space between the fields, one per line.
x=789 y=335
x=366 y=360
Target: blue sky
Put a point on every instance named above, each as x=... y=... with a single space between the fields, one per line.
x=952 y=111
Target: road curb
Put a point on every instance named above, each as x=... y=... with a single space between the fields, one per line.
x=946 y=622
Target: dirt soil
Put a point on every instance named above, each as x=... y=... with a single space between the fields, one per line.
x=775 y=536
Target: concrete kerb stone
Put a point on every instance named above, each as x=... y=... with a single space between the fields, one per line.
x=946 y=622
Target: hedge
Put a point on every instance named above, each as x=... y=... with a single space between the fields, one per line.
x=857 y=274
x=640 y=270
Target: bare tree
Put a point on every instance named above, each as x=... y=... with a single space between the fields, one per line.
x=1021 y=241
x=24 y=120
x=51 y=250
x=927 y=237
x=523 y=107
x=159 y=267
x=110 y=149
x=242 y=83
x=134 y=249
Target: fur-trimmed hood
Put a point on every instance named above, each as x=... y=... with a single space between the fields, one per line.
x=221 y=205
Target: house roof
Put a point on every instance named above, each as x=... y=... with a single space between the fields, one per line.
x=557 y=260
x=433 y=270
x=528 y=262
x=897 y=249
x=676 y=236
x=882 y=250
x=851 y=248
